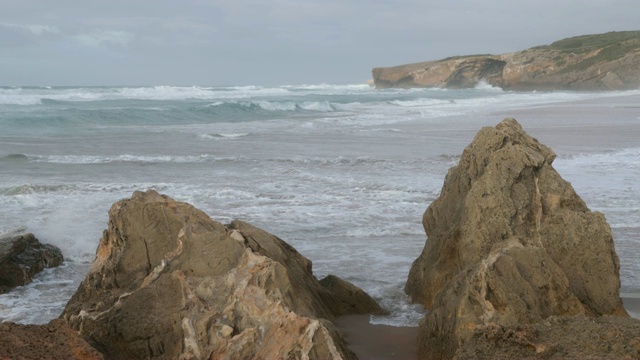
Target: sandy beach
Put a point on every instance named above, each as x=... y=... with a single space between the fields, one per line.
x=378 y=342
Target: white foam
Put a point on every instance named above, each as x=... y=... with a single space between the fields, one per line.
x=321 y=106
x=19 y=100
x=329 y=89
x=33 y=96
x=383 y=130
x=276 y=106
x=48 y=293
x=14 y=231
x=420 y=102
x=628 y=157
x=401 y=311
x=625 y=224
x=217 y=103
x=97 y=159
x=484 y=85
x=384 y=231
x=219 y=136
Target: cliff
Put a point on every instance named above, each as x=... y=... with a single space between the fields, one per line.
x=609 y=61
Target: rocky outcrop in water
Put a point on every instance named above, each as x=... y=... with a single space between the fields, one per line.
x=169 y=282
x=54 y=340
x=608 y=61
x=510 y=243
x=22 y=257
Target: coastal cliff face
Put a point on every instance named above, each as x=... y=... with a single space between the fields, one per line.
x=170 y=282
x=608 y=61
x=510 y=244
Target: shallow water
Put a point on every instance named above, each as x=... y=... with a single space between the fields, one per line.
x=343 y=173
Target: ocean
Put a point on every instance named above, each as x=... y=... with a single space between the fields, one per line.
x=341 y=172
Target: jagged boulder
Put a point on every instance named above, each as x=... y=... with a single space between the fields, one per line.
x=509 y=242
x=22 y=257
x=170 y=282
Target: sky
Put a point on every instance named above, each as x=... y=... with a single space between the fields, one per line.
x=273 y=42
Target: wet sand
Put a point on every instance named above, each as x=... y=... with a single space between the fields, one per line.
x=632 y=304
x=583 y=126
x=378 y=342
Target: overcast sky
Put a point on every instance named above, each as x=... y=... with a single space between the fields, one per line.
x=273 y=42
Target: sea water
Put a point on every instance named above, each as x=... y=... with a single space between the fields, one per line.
x=342 y=173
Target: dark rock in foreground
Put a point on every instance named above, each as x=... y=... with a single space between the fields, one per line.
x=54 y=340
x=170 y=282
x=509 y=243
x=22 y=257
x=608 y=61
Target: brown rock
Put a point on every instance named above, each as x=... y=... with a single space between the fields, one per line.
x=608 y=61
x=334 y=297
x=454 y=73
x=346 y=298
x=509 y=242
x=22 y=257
x=576 y=338
x=54 y=340
x=169 y=282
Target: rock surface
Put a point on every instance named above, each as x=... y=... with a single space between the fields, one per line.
x=22 y=257
x=54 y=340
x=577 y=338
x=509 y=243
x=169 y=282
x=608 y=61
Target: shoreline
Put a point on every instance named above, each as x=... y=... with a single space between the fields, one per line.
x=632 y=304
x=377 y=342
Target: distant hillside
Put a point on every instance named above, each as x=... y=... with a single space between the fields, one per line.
x=609 y=61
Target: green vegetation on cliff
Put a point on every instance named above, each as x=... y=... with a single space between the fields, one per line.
x=609 y=47
x=586 y=43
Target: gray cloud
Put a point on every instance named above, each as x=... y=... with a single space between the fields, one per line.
x=17 y=35
x=198 y=42
x=105 y=37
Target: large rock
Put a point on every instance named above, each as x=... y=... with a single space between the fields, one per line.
x=22 y=257
x=169 y=282
x=509 y=242
x=54 y=340
x=608 y=61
